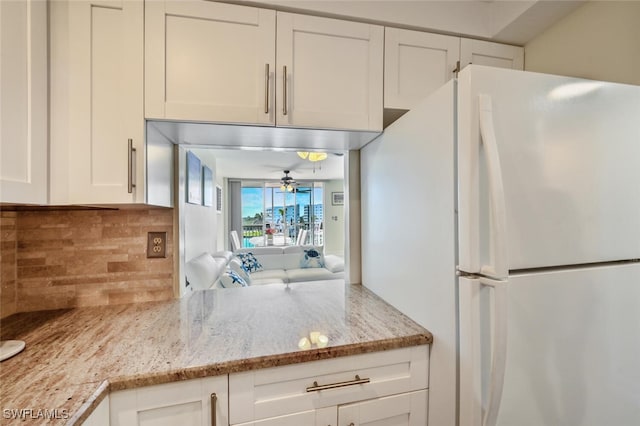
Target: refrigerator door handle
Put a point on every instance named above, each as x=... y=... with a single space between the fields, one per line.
x=499 y=353
x=498 y=245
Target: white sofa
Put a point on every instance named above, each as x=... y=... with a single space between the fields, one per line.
x=204 y=271
x=286 y=265
x=279 y=265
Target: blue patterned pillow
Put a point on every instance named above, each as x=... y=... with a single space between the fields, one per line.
x=312 y=258
x=249 y=262
x=230 y=280
x=236 y=266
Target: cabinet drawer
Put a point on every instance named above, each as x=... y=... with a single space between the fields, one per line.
x=406 y=409
x=276 y=391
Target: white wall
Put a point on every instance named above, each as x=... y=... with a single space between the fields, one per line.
x=600 y=40
x=201 y=222
x=353 y=217
x=333 y=228
x=198 y=224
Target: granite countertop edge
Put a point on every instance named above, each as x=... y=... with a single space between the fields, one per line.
x=236 y=366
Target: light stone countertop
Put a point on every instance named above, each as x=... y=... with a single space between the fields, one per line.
x=74 y=357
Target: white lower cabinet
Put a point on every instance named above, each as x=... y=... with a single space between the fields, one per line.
x=100 y=415
x=406 y=409
x=185 y=403
x=381 y=388
x=387 y=388
x=320 y=417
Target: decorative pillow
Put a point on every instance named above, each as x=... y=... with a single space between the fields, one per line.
x=249 y=262
x=237 y=267
x=334 y=263
x=230 y=280
x=312 y=258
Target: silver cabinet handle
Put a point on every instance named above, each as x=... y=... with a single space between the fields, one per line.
x=214 y=400
x=456 y=70
x=266 y=88
x=130 y=151
x=356 y=381
x=284 y=90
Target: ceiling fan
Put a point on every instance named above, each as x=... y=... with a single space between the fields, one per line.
x=287 y=183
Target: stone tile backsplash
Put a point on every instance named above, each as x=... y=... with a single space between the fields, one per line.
x=8 y=265
x=71 y=258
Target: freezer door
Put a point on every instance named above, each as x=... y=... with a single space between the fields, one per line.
x=571 y=353
x=483 y=325
x=567 y=155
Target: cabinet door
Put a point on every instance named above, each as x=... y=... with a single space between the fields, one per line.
x=406 y=409
x=23 y=101
x=334 y=73
x=209 y=61
x=415 y=65
x=100 y=415
x=186 y=403
x=97 y=101
x=491 y=54
x=320 y=417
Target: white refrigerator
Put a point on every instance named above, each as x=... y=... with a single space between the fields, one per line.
x=503 y=214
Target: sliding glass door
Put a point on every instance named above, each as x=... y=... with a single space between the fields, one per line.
x=275 y=216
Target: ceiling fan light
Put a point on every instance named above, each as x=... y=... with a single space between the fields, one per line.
x=289 y=188
x=317 y=156
x=303 y=155
x=283 y=188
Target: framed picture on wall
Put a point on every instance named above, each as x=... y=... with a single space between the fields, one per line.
x=207 y=186
x=194 y=179
x=337 y=198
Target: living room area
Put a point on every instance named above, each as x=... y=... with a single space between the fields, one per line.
x=284 y=207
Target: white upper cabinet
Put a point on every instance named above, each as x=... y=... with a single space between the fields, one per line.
x=208 y=61
x=416 y=64
x=329 y=73
x=23 y=101
x=97 y=120
x=216 y=62
x=491 y=54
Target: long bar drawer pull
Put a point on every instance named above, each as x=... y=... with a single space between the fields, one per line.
x=130 y=150
x=214 y=401
x=356 y=381
x=284 y=90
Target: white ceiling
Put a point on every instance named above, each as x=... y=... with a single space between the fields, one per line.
x=267 y=165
